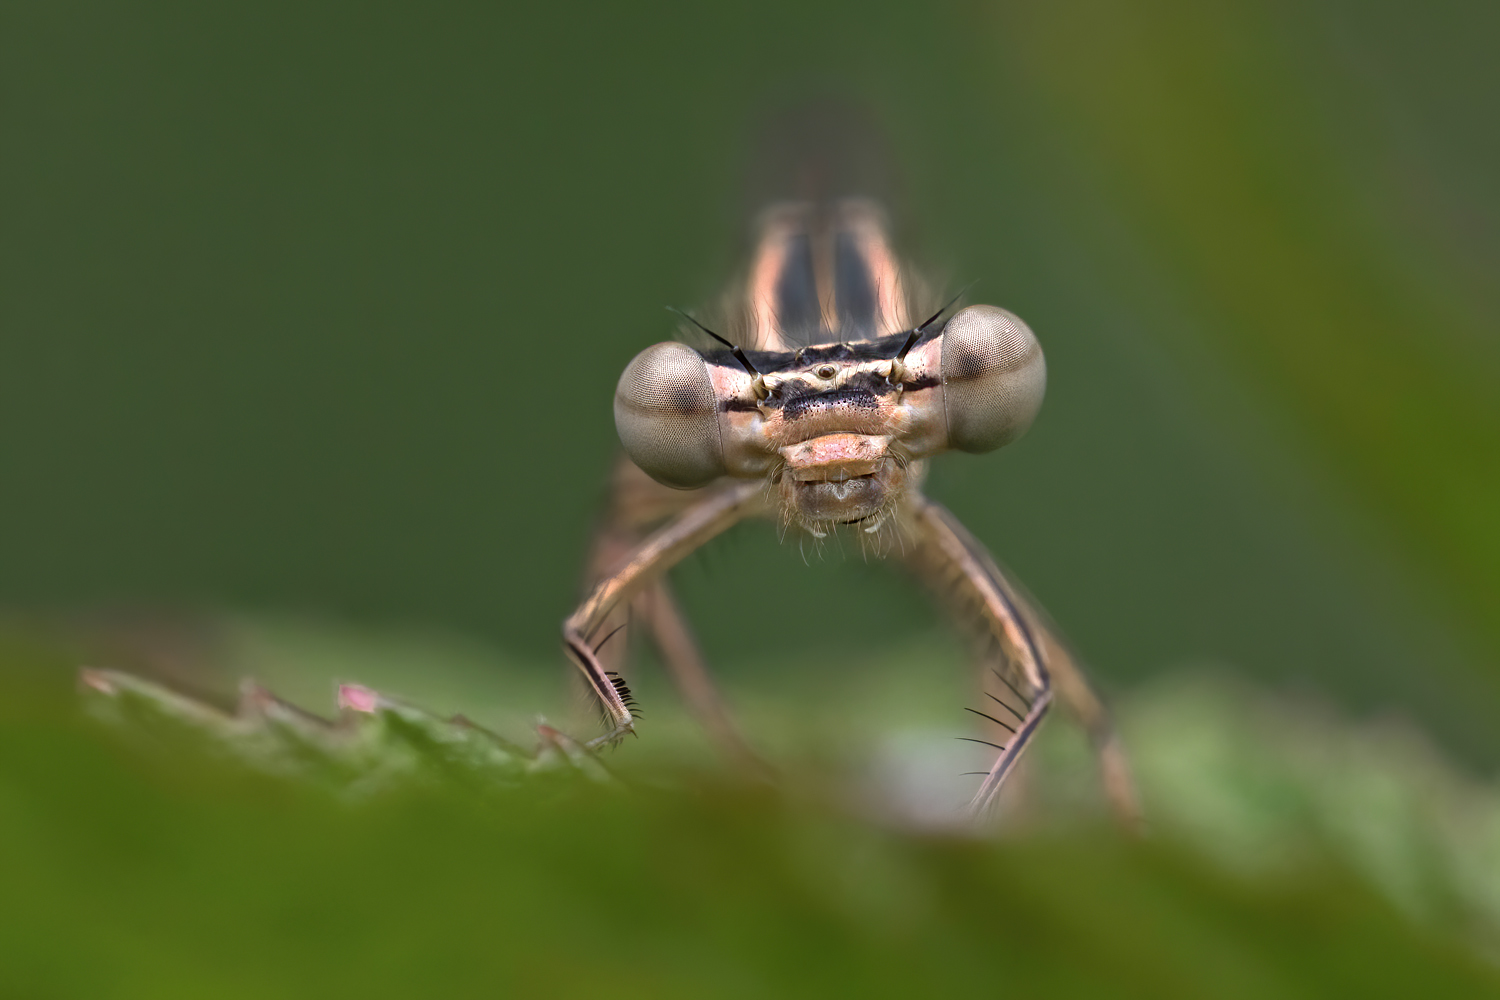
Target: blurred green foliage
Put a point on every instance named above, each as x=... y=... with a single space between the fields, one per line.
x=1290 y=857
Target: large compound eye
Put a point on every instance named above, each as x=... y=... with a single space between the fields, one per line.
x=667 y=417
x=994 y=377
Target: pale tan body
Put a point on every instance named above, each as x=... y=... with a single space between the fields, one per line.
x=839 y=439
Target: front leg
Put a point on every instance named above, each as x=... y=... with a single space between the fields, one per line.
x=1033 y=664
x=722 y=507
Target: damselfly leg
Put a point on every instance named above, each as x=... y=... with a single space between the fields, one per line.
x=1026 y=665
x=637 y=506
x=641 y=569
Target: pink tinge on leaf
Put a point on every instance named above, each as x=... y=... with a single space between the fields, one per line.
x=96 y=679
x=358 y=698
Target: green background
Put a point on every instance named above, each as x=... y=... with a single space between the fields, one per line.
x=309 y=321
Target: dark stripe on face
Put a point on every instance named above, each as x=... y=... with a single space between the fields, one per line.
x=879 y=348
x=797 y=304
x=853 y=288
x=778 y=361
x=873 y=383
x=862 y=399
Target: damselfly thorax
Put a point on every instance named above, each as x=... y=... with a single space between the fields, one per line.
x=816 y=403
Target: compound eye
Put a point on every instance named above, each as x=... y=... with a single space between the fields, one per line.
x=993 y=375
x=667 y=417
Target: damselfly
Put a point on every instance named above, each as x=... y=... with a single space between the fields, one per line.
x=818 y=405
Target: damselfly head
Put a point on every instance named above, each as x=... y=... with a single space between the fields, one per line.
x=836 y=427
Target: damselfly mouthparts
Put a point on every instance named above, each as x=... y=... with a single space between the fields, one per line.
x=819 y=407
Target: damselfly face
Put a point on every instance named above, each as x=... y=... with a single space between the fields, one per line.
x=839 y=424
